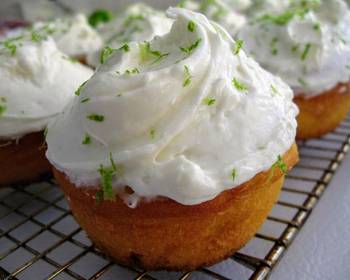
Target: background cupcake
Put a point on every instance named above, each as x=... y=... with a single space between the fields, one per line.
x=176 y=143
x=240 y=5
x=36 y=83
x=73 y=35
x=227 y=13
x=307 y=45
x=262 y=7
x=138 y=23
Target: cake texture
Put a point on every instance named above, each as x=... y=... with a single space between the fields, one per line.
x=23 y=160
x=163 y=234
x=322 y=114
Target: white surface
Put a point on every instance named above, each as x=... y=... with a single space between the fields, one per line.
x=322 y=248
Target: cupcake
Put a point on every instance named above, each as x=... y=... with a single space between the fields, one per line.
x=227 y=13
x=137 y=23
x=37 y=81
x=175 y=145
x=73 y=35
x=308 y=45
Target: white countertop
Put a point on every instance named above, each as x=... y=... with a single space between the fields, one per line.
x=322 y=248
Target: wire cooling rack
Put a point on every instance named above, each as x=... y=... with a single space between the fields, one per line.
x=39 y=239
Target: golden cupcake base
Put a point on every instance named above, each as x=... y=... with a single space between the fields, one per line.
x=164 y=234
x=23 y=160
x=322 y=114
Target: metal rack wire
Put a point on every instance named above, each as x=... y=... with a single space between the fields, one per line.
x=40 y=239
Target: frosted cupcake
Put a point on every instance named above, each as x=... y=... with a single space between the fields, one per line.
x=36 y=83
x=73 y=35
x=175 y=144
x=262 y=7
x=227 y=13
x=308 y=45
x=137 y=23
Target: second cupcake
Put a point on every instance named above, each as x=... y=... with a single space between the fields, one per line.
x=36 y=83
x=308 y=45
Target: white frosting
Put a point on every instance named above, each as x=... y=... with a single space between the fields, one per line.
x=261 y=7
x=138 y=22
x=225 y=12
x=36 y=83
x=236 y=5
x=189 y=4
x=41 y=10
x=311 y=52
x=73 y=35
x=240 y=5
x=163 y=136
x=10 y=33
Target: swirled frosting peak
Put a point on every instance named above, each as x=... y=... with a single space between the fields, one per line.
x=307 y=44
x=36 y=83
x=138 y=22
x=185 y=116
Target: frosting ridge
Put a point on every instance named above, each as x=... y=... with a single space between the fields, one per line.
x=73 y=35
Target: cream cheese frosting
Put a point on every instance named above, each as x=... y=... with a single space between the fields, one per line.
x=36 y=83
x=185 y=116
x=307 y=45
x=261 y=7
x=224 y=12
x=73 y=35
x=236 y=5
x=138 y=22
x=240 y=5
